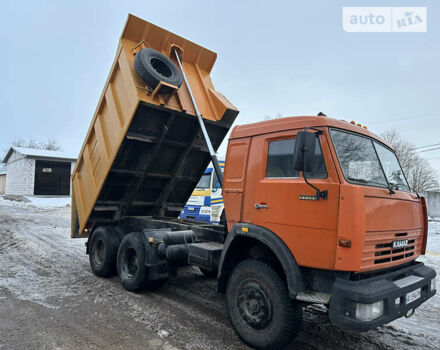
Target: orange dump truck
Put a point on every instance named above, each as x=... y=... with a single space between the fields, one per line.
x=317 y=210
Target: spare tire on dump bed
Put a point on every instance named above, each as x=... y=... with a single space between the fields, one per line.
x=154 y=67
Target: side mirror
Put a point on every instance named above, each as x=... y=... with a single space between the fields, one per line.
x=304 y=155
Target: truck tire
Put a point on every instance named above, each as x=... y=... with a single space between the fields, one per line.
x=131 y=262
x=259 y=307
x=103 y=249
x=154 y=67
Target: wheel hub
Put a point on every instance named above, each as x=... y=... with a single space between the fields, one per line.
x=99 y=252
x=130 y=265
x=255 y=304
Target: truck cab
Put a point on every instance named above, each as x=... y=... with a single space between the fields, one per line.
x=345 y=230
x=206 y=201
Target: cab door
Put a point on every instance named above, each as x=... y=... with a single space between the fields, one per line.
x=285 y=204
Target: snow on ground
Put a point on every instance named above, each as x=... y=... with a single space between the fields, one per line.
x=41 y=265
x=35 y=252
x=38 y=201
x=50 y=201
x=433 y=246
x=425 y=323
x=49 y=299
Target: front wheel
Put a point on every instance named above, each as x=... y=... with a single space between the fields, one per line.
x=259 y=306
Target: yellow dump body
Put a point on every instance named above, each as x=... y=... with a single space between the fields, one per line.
x=144 y=152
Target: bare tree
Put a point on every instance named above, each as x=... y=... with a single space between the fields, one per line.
x=33 y=144
x=50 y=144
x=18 y=142
x=419 y=172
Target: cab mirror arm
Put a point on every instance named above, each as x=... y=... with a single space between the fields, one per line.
x=306 y=143
x=319 y=193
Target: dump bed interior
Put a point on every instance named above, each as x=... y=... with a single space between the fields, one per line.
x=158 y=164
x=144 y=153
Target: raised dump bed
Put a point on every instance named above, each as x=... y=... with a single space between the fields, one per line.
x=144 y=151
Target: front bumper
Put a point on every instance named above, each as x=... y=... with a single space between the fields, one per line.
x=194 y=214
x=391 y=288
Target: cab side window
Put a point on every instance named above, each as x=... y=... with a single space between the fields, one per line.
x=280 y=161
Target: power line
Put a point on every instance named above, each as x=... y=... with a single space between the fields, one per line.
x=405 y=118
x=427 y=150
x=416 y=126
x=434 y=144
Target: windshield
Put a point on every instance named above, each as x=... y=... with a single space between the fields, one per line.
x=205 y=181
x=364 y=161
x=391 y=167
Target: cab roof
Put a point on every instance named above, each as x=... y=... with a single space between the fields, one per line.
x=299 y=122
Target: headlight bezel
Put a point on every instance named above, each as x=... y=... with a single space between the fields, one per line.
x=369 y=312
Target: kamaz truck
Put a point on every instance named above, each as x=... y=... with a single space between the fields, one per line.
x=318 y=210
x=206 y=202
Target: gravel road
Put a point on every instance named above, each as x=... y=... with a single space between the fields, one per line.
x=49 y=299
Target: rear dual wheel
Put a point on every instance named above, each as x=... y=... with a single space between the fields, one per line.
x=109 y=254
x=131 y=262
x=103 y=249
x=132 y=271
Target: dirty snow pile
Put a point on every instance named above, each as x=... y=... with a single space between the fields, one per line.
x=37 y=201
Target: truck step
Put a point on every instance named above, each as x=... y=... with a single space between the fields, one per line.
x=205 y=255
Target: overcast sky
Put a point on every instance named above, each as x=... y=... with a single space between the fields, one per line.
x=288 y=57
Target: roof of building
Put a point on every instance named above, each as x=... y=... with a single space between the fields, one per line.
x=39 y=153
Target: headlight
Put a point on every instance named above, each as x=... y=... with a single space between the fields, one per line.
x=369 y=312
x=433 y=284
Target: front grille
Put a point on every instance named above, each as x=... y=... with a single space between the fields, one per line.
x=386 y=252
x=379 y=252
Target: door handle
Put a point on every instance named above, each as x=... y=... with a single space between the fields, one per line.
x=261 y=206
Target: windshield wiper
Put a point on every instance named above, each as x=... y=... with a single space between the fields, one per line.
x=368 y=182
x=358 y=180
x=394 y=186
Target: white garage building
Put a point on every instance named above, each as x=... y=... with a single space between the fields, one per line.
x=2 y=180
x=38 y=172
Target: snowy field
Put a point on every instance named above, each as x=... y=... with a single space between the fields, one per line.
x=50 y=299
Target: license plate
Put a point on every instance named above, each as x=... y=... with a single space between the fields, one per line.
x=401 y=243
x=191 y=208
x=413 y=296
